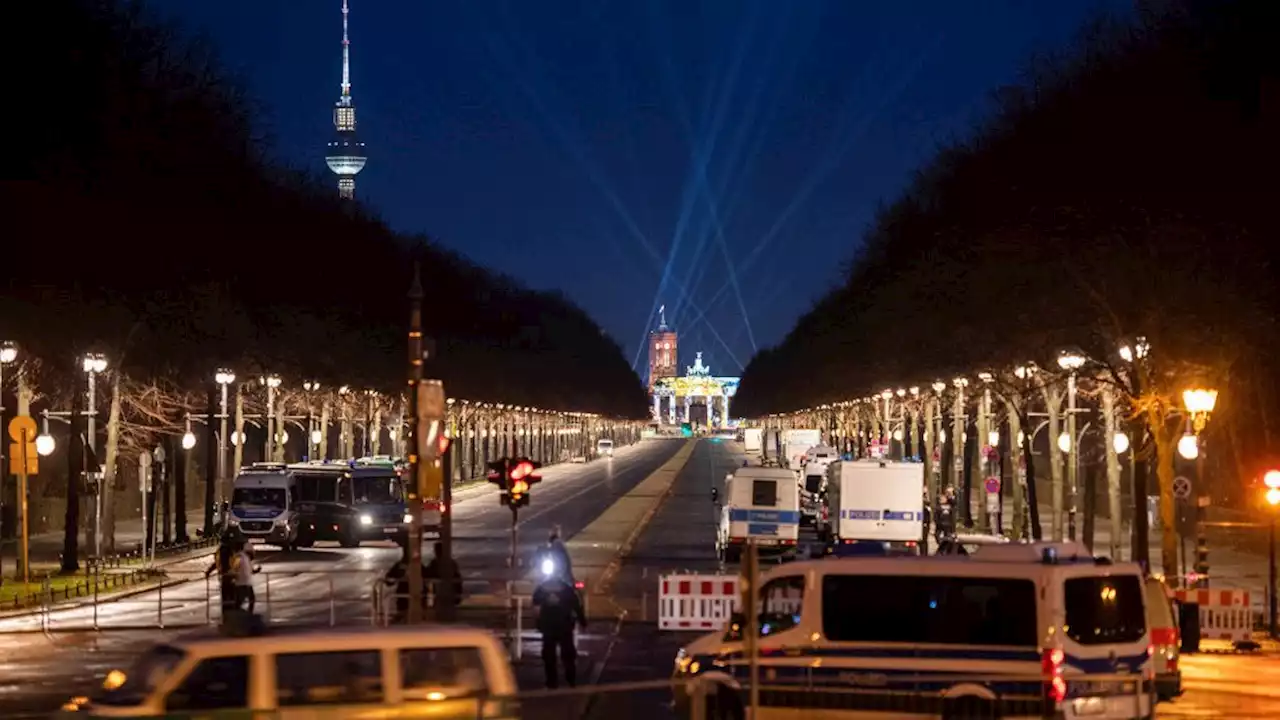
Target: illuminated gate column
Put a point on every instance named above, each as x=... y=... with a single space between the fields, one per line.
x=724 y=404
x=657 y=407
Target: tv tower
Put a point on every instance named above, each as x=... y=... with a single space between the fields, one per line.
x=346 y=156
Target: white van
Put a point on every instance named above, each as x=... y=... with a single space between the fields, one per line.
x=1035 y=630
x=400 y=672
x=604 y=447
x=762 y=504
x=876 y=500
x=264 y=506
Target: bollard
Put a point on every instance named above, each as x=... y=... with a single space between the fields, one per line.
x=333 y=614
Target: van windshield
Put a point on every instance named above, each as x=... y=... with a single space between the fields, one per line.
x=1104 y=610
x=260 y=496
x=813 y=483
x=923 y=609
x=379 y=489
x=133 y=687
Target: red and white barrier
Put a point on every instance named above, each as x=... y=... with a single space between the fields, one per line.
x=696 y=602
x=1224 y=614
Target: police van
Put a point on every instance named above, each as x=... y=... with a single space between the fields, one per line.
x=1034 y=630
x=264 y=505
x=761 y=503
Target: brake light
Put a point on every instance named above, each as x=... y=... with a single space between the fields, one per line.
x=579 y=585
x=1051 y=665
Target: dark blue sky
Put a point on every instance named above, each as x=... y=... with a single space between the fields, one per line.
x=629 y=152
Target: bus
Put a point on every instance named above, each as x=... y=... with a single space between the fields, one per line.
x=350 y=502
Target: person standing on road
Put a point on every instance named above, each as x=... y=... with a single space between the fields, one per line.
x=438 y=572
x=560 y=554
x=243 y=571
x=222 y=565
x=559 y=609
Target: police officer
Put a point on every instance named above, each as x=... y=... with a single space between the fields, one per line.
x=927 y=517
x=559 y=554
x=559 y=609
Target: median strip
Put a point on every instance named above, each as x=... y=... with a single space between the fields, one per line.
x=598 y=550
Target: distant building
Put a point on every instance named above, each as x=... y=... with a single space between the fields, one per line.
x=698 y=397
x=346 y=155
x=663 y=351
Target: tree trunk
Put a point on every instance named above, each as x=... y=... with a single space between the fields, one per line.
x=930 y=467
x=1053 y=406
x=323 y=449
x=108 y=488
x=238 y=453
x=1029 y=481
x=1166 y=446
x=1113 y=471
x=181 y=475
x=375 y=432
x=1017 y=472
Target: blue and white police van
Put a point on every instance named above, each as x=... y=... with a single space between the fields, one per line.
x=875 y=501
x=1026 y=630
x=763 y=504
x=264 y=506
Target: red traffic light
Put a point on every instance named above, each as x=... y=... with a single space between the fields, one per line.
x=522 y=469
x=1271 y=479
x=519 y=487
x=442 y=443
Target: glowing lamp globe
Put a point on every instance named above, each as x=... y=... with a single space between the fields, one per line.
x=1273 y=497
x=316 y=437
x=1189 y=447
x=188 y=440
x=897 y=435
x=45 y=445
x=1272 y=479
x=993 y=438
x=1064 y=443
x=1120 y=442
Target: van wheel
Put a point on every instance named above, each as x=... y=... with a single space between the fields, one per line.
x=968 y=708
x=305 y=541
x=349 y=541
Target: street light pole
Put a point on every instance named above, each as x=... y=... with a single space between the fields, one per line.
x=8 y=353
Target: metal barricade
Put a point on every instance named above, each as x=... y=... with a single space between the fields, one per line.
x=696 y=602
x=1225 y=614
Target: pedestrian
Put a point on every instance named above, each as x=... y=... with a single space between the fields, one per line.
x=560 y=555
x=243 y=571
x=559 y=610
x=927 y=519
x=398 y=577
x=439 y=569
x=222 y=562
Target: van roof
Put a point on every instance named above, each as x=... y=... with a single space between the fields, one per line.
x=957 y=565
x=302 y=639
x=764 y=473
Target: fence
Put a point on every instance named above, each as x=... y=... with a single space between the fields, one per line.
x=700 y=698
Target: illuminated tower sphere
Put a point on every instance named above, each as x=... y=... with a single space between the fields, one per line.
x=662 y=351
x=345 y=156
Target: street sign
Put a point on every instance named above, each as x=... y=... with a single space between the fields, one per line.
x=23 y=431
x=1181 y=487
x=993 y=485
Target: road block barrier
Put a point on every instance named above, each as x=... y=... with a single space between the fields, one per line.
x=1224 y=614
x=696 y=602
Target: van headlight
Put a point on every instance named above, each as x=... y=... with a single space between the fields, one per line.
x=366 y=520
x=408 y=518
x=682 y=662
x=281 y=520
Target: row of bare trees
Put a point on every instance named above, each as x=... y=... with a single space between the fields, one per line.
x=1125 y=189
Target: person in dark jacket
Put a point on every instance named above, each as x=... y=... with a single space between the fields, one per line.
x=222 y=562
x=560 y=555
x=440 y=570
x=559 y=610
x=398 y=577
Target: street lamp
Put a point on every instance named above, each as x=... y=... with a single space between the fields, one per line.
x=1071 y=361
x=1272 y=481
x=1138 y=350
x=1199 y=404
x=188 y=437
x=1120 y=443
x=223 y=377
x=271 y=382
x=1189 y=446
x=45 y=444
x=8 y=353
x=1064 y=442
x=94 y=363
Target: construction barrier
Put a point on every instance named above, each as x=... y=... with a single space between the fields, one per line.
x=1224 y=614
x=696 y=602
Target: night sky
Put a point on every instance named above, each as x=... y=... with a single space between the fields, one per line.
x=631 y=152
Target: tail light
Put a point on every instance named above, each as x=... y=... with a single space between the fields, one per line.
x=1051 y=666
x=1164 y=641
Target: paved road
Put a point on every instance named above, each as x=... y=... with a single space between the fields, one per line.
x=38 y=670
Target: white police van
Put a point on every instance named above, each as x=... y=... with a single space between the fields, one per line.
x=1035 y=630
x=264 y=506
x=762 y=504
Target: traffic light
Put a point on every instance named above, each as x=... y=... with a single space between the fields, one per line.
x=514 y=476
x=497 y=474
x=1271 y=479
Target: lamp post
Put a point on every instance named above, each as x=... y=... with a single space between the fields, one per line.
x=8 y=354
x=1136 y=354
x=958 y=423
x=313 y=436
x=223 y=377
x=1071 y=361
x=93 y=364
x=271 y=382
x=1272 y=481
x=1199 y=403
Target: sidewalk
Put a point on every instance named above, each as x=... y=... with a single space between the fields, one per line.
x=46 y=548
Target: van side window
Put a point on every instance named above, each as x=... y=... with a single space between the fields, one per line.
x=1101 y=610
x=220 y=683
x=780 y=603
x=329 y=678
x=929 y=609
x=764 y=493
x=451 y=671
